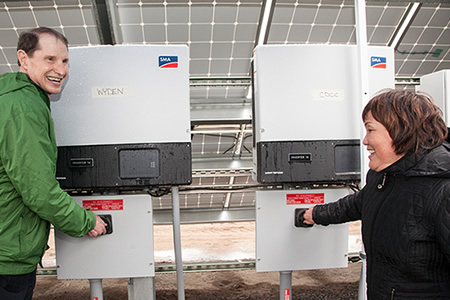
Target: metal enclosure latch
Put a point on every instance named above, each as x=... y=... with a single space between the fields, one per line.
x=299 y=218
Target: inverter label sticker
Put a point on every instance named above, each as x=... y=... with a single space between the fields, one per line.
x=328 y=95
x=312 y=198
x=113 y=204
x=165 y=62
x=377 y=62
x=112 y=91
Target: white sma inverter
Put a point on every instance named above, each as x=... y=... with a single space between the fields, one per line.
x=437 y=85
x=306 y=115
x=122 y=119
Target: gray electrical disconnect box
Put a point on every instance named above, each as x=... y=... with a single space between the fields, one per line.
x=283 y=246
x=122 y=120
x=126 y=252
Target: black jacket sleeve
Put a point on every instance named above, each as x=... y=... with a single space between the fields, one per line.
x=344 y=210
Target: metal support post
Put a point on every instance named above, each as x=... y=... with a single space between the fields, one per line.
x=361 y=40
x=363 y=63
x=362 y=287
x=285 y=285
x=141 y=288
x=177 y=241
x=96 y=289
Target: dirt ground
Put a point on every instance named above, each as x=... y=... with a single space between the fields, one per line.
x=214 y=242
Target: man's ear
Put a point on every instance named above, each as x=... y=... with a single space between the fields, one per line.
x=22 y=57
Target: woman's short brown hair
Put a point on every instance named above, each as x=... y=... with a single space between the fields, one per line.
x=412 y=119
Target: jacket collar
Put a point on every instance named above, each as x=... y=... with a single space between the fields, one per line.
x=25 y=78
x=434 y=162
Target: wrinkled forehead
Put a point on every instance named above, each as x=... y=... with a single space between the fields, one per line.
x=51 y=45
x=49 y=39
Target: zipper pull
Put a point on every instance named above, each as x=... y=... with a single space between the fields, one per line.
x=381 y=185
x=392 y=294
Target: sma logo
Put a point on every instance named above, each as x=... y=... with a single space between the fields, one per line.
x=165 y=62
x=378 y=62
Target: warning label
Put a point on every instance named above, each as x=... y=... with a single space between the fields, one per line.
x=312 y=198
x=287 y=294
x=113 y=204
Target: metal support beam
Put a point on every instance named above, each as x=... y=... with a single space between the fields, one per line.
x=106 y=18
x=96 y=289
x=286 y=285
x=265 y=21
x=177 y=241
x=195 y=216
x=226 y=112
x=405 y=23
x=220 y=163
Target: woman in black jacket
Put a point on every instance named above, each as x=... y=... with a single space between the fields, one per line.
x=405 y=204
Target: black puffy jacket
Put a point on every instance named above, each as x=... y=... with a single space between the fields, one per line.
x=405 y=213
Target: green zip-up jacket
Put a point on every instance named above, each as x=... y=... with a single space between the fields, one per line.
x=30 y=195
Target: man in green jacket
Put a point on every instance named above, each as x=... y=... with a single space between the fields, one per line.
x=30 y=195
